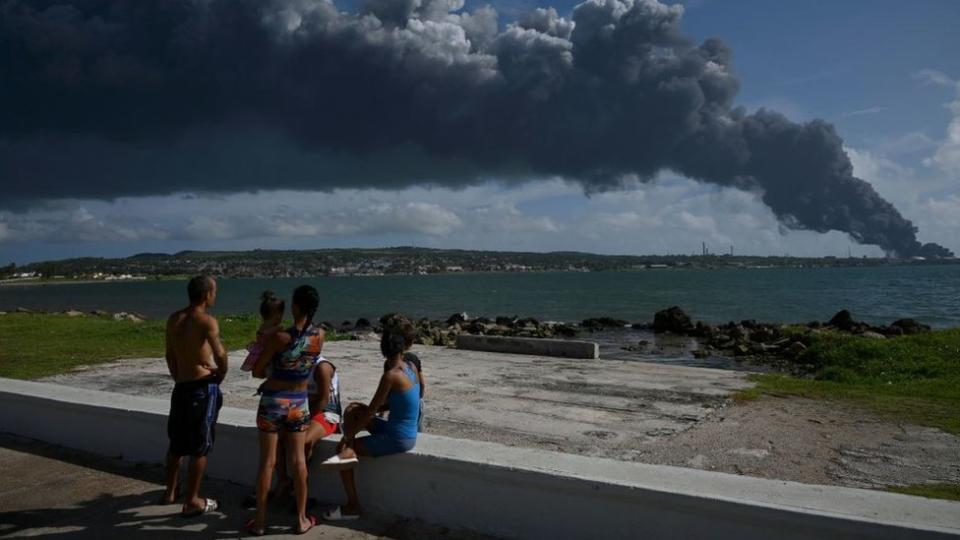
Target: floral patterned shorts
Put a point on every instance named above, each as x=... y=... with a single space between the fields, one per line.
x=283 y=411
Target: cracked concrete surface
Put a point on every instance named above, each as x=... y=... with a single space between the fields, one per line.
x=618 y=409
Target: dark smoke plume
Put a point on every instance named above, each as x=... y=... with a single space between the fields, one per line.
x=103 y=98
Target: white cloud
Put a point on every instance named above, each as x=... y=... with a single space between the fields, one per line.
x=933 y=77
x=863 y=112
x=947 y=155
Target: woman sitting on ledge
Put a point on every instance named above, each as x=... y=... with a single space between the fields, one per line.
x=399 y=388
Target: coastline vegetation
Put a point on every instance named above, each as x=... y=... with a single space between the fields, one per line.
x=39 y=345
x=950 y=492
x=910 y=378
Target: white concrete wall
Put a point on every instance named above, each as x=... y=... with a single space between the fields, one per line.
x=499 y=490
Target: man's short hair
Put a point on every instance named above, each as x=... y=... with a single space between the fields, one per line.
x=198 y=287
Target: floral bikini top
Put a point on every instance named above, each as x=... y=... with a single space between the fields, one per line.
x=298 y=359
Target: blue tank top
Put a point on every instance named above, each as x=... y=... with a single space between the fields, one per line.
x=404 y=409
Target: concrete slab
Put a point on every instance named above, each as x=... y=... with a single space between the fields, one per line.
x=607 y=408
x=49 y=491
x=560 y=348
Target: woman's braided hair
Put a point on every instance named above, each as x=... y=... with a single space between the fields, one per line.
x=307 y=299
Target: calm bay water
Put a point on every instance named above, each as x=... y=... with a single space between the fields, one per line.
x=878 y=295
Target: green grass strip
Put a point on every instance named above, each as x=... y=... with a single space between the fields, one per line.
x=34 y=346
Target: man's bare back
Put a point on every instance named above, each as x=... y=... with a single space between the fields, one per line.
x=193 y=346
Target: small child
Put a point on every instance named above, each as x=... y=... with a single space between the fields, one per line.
x=271 y=311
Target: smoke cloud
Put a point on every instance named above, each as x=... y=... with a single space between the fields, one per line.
x=103 y=98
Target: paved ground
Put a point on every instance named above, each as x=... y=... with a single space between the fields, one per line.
x=625 y=410
x=606 y=408
x=51 y=492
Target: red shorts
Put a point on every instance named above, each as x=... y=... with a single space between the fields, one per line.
x=328 y=427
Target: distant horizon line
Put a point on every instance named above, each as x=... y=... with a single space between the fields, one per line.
x=707 y=253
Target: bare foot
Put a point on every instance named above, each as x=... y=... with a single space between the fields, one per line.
x=168 y=497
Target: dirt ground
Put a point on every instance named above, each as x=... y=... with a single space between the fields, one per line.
x=618 y=409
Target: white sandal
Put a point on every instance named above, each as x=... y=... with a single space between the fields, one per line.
x=337 y=461
x=336 y=514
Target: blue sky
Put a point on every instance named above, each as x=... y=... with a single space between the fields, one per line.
x=884 y=72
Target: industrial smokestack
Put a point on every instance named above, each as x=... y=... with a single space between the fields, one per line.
x=103 y=98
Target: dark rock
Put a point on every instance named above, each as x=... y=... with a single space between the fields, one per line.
x=345 y=326
x=738 y=332
x=565 y=330
x=701 y=353
x=748 y=323
x=891 y=331
x=528 y=321
x=506 y=321
x=672 y=320
x=704 y=330
x=327 y=326
x=910 y=326
x=600 y=323
x=456 y=318
x=99 y=312
x=641 y=326
x=843 y=320
x=795 y=349
x=483 y=320
x=814 y=324
x=764 y=334
x=362 y=325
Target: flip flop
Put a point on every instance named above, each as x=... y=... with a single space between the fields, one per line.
x=337 y=515
x=251 y=527
x=337 y=461
x=209 y=506
x=313 y=523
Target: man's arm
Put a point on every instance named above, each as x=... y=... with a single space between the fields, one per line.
x=170 y=355
x=219 y=352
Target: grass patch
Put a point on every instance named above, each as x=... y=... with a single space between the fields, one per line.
x=910 y=378
x=950 y=492
x=34 y=346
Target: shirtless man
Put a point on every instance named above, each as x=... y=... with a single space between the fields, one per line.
x=197 y=362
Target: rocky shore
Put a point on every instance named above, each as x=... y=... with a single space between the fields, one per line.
x=776 y=345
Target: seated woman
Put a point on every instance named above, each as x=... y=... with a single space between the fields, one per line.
x=324 y=399
x=292 y=354
x=400 y=389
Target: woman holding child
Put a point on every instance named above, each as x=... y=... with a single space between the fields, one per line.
x=398 y=391
x=287 y=360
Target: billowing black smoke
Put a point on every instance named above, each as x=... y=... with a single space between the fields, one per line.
x=102 y=98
